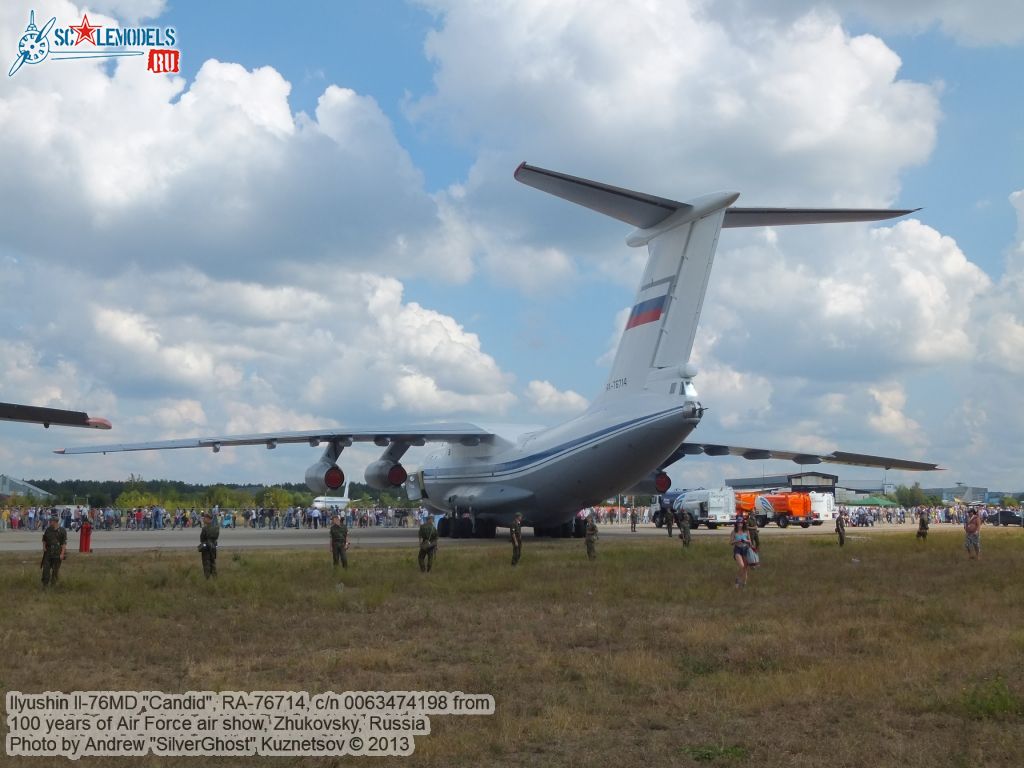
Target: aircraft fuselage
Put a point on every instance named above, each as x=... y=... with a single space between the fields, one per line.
x=549 y=475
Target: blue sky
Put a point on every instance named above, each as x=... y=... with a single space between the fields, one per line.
x=332 y=233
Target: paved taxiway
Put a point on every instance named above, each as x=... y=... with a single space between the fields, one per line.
x=289 y=538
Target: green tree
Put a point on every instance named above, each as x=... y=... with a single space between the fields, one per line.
x=1010 y=501
x=135 y=498
x=275 y=498
x=302 y=498
x=911 y=497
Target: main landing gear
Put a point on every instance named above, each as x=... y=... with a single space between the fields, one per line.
x=462 y=527
x=572 y=530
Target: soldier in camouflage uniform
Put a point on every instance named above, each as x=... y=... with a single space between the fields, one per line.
x=670 y=517
x=339 y=541
x=516 y=537
x=922 y=524
x=428 y=544
x=591 y=537
x=684 y=528
x=208 y=536
x=755 y=538
x=841 y=529
x=55 y=542
x=632 y=520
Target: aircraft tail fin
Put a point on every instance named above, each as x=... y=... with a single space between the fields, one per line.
x=681 y=238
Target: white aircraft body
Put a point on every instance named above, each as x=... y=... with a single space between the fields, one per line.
x=633 y=429
x=333 y=502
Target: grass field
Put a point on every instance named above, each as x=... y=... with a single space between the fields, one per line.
x=885 y=652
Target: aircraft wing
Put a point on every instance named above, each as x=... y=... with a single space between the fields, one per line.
x=775 y=217
x=836 y=457
x=645 y=211
x=420 y=434
x=33 y=414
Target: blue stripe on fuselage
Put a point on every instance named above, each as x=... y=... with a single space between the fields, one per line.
x=490 y=470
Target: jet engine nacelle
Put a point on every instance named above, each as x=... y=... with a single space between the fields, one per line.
x=324 y=476
x=383 y=474
x=656 y=482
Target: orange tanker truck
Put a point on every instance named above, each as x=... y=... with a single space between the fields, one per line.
x=784 y=507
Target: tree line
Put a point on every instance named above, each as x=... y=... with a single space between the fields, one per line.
x=172 y=494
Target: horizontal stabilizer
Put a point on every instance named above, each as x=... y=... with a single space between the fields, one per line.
x=645 y=211
x=760 y=454
x=32 y=414
x=777 y=217
x=383 y=436
x=636 y=208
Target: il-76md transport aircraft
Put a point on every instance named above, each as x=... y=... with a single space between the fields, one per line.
x=632 y=430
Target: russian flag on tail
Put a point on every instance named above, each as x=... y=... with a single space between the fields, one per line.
x=646 y=312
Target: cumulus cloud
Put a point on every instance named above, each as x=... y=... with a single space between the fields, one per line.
x=875 y=302
x=546 y=398
x=890 y=419
x=983 y=22
x=796 y=109
x=265 y=191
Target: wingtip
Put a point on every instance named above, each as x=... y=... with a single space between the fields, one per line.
x=98 y=423
x=520 y=167
x=60 y=451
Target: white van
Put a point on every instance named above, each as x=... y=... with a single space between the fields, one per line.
x=711 y=506
x=823 y=507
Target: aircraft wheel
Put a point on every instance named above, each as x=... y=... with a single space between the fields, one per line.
x=579 y=528
x=485 y=529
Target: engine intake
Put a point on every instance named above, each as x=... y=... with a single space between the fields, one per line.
x=324 y=476
x=383 y=474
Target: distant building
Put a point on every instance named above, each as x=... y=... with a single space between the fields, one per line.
x=801 y=481
x=11 y=487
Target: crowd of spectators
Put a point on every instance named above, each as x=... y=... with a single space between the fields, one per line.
x=871 y=516
x=157 y=518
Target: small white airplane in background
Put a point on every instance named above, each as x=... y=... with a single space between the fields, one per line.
x=632 y=430
x=33 y=414
x=333 y=502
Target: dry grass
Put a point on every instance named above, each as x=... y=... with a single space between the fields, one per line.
x=882 y=653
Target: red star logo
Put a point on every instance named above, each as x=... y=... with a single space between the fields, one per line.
x=85 y=30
